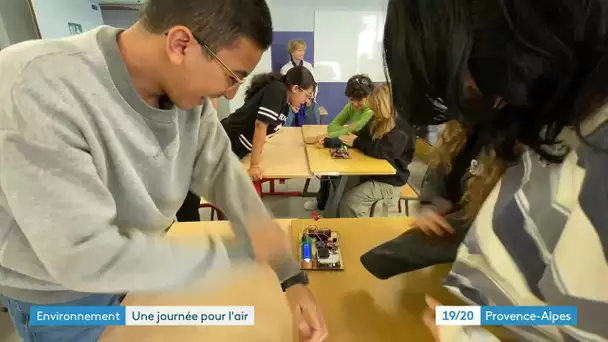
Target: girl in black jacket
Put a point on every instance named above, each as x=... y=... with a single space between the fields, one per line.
x=384 y=137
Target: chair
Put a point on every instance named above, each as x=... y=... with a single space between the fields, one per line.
x=408 y=193
x=214 y=210
x=423 y=153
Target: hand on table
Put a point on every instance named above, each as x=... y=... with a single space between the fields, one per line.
x=321 y=141
x=255 y=172
x=306 y=313
x=431 y=223
x=428 y=317
x=348 y=140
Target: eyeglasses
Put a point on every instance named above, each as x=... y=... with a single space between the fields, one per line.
x=309 y=95
x=236 y=79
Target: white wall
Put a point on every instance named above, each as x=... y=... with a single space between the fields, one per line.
x=53 y=16
x=121 y=18
x=346 y=42
x=16 y=22
x=293 y=15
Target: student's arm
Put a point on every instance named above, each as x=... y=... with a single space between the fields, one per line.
x=336 y=126
x=356 y=126
x=389 y=147
x=219 y=177
x=52 y=189
x=259 y=138
x=433 y=193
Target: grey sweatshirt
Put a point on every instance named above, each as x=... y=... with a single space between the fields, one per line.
x=91 y=177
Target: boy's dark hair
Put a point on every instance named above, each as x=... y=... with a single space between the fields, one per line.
x=217 y=23
x=358 y=87
x=545 y=60
x=299 y=76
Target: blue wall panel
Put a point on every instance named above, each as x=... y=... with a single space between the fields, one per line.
x=280 y=40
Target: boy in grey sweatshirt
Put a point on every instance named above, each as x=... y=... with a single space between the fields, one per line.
x=92 y=172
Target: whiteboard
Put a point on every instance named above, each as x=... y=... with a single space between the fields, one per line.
x=349 y=43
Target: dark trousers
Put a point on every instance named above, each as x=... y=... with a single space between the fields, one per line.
x=323 y=194
x=189 y=209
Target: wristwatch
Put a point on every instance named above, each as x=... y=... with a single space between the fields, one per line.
x=300 y=278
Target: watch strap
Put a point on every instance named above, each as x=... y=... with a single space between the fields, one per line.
x=300 y=278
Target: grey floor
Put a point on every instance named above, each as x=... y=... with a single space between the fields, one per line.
x=281 y=207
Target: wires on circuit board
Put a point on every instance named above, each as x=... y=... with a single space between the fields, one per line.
x=320 y=248
x=318 y=233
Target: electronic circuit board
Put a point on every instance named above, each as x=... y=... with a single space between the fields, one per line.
x=320 y=249
x=339 y=153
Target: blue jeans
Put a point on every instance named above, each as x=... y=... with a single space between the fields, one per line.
x=20 y=314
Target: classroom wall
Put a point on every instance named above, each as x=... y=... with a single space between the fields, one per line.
x=121 y=18
x=55 y=17
x=280 y=41
x=297 y=21
x=16 y=22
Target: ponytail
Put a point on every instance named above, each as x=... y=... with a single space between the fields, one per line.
x=298 y=76
x=262 y=80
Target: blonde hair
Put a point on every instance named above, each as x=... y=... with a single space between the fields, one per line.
x=294 y=44
x=380 y=102
x=479 y=186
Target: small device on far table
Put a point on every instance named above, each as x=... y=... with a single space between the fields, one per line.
x=320 y=249
x=339 y=153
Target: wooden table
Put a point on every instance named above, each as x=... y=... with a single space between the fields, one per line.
x=252 y=286
x=313 y=130
x=357 y=306
x=322 y=164
x=283 y=157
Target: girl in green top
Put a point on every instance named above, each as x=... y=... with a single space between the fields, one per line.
x=355 y=115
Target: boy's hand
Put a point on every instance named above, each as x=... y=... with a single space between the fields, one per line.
x=255 y=172
x=307 y=315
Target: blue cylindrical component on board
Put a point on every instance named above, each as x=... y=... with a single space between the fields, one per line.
x=306 y=252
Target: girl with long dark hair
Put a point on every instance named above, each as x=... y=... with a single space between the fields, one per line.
x=529 y=73
x=267 y=102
